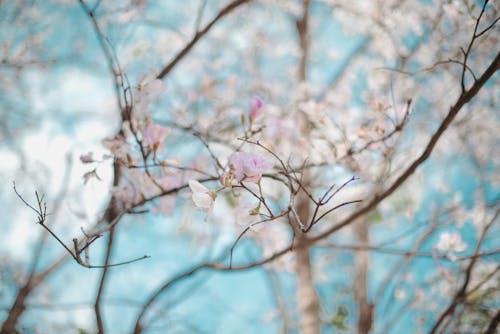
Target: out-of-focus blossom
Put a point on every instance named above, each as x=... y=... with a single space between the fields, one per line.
x=154 y=135
x=399 y=294
x=248 y=166
x=148 y=89
x=87 y=158
x=453 y=9
x=149 y=86
x=450 y=243
x=202 y=197
x=135 y=186
x=256 y=105
x=281 y=135
x=126 y=194
x=118 y=147
x=166 y=204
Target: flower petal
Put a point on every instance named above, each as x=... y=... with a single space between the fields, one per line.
x=197 y=187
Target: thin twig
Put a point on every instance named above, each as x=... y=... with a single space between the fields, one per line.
x=198 y=35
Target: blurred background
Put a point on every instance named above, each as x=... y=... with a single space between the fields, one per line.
x=374 y=80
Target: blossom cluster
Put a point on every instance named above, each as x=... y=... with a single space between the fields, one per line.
x=243 y=167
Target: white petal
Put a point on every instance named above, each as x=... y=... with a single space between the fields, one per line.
x=197 y=187
x=209 y=213
x=203 y=201
x=155 y=87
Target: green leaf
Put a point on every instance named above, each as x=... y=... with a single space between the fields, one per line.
x=231 y=200
x=255 y=211
x=339 y=319
x=375 y=217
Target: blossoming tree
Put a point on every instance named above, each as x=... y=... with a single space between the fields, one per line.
x=347 y=150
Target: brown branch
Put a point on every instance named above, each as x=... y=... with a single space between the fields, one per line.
x=199 y=15
x=210 y=151
x=246 y=229
x=303 y=33
x=469 y=47
x=259 y=197
x=139 y=327
x=463 y=99
x=198 y=35
x=102 y=282
x=42 y=215
x=307 y=298
x=323 y=201
x=407 y=253
x=19 y=305
x=493 y=325
x=490 y=26
x=365 y=306
x=398 y=127
x=461 y=295
x=113 y=65
x=217 y=265
x=402 y=263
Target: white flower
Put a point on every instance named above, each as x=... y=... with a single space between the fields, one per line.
x=149 y=87
x=450 y=243
x=202 y=197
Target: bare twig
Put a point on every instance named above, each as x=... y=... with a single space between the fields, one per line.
x=461 y=295
x=473 y=39
x=42 y=215
x=463 y=99
x=198 y=35
x=102 y=281
x=249 y=227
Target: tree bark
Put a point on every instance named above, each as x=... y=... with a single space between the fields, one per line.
x=365 y=319
x=19 y=305
x=307 y=298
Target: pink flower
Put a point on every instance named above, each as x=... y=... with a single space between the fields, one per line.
x=255 y=107
x=248 y=166
x=149 y=86
x=87 y=158
x=118 y=146
x=147 y=90
x=154 y=135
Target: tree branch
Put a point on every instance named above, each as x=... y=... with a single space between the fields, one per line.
x=463 y=99
x=102 y=281
x=198 y=35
